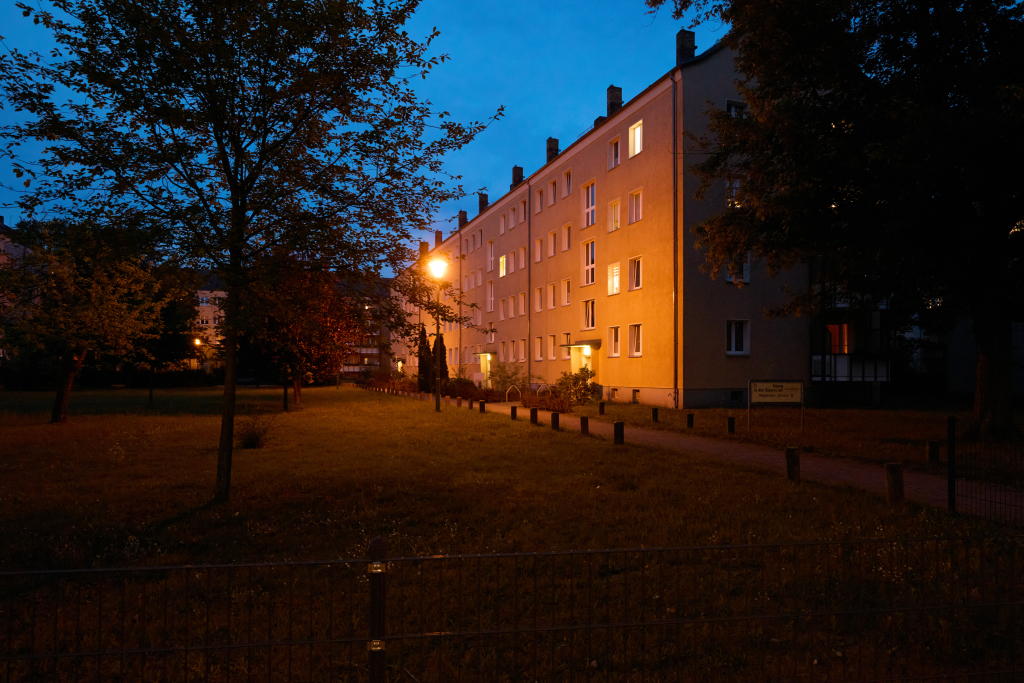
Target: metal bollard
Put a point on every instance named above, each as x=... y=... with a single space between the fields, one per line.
x=792 y=463
x=458 y=401
x=513 y=412
x=471 y=401
x=654 y=414
x=584 y=425
x=620 y=433
x=483 y=406
x=377 y=568
x=600 y=407
x=447 y=400
x=533 y=416
x=894 y=483
x=730 y=425
x=554 y=421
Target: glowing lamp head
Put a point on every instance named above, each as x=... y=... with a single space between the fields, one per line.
x=586 y=350
x=198 y=342
x=437 y=267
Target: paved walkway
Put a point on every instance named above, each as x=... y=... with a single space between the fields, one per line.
x=921 y=487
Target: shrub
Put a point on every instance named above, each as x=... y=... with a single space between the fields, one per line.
x=547 y=400
x=577 y=387
x=251 y=431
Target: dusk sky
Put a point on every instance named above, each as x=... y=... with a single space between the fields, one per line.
x=548 y=64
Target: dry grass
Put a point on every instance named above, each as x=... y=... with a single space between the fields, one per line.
x=874 y=435
x=131 y=486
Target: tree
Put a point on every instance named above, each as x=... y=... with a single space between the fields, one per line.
x=439 y=340
x=875 y=143
x=425 y=361
x=242 y=128
x=74 y=290
x=173 y=342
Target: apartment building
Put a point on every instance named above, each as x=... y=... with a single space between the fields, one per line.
x=589 y=261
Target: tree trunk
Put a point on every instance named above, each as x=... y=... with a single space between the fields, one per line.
x=69 y=368
x=992 y=417
x=297 y=387
x=284 y=385
x=227 y=422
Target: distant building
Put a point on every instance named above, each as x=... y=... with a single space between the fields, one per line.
x=209 y=310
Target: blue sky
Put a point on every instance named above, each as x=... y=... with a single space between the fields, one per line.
x=547 y=63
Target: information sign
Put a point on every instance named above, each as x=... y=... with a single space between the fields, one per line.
x=777 y=392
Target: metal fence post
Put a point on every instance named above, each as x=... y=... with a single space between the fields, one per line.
x=483 y=406
x=951 y=462
x=554 y=421
x=378 y=568
x=584 y=425
x=513 y=412
x=619 y=432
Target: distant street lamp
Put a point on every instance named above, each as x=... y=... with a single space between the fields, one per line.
x=437 y=267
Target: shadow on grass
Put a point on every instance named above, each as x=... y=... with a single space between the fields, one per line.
x=204 y=401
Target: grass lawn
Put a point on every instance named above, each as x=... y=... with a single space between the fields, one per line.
x=875 y=435
x=120 y=484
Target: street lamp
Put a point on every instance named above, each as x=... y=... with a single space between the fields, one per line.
x=437 y=267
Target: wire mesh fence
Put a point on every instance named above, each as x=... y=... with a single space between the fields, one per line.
x=988 y=475
x=942 y=609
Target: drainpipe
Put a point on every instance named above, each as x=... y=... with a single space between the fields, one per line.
x=529 y=280
x=675 y=250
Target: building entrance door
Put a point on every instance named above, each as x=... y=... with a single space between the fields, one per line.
x=579 y=357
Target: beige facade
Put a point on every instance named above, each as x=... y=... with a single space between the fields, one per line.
x=590 y=261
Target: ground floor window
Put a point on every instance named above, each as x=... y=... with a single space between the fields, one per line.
x=737 y=337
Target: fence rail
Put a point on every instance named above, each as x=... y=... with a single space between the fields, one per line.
x=851 y=611
x=986 y=477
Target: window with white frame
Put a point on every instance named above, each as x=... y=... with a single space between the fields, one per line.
x=465 y=245
x=613 y=342
x=501 y=310
x=734 y=193
x=522 y=303
x=589 y=311
x=512 y=351
x=501 y=224
x=737 y=337
x=522 y=350
x=538 y=300
x=567 y=183
x=467 y=283
x=589 y=262
x=552 y=239
x=465 y=354
x=512 y=217
x=565 y=345
x=538 y=249
x=745 y=272
x=613 y=153
x=566 y=291
x=636 y=273
x=490 y=332
x=502 y=266
x=538 y=348
x=552 y=191
x=501 y=352
x=636 y=341
x=589 y=203
x=472 y=243
x=636 y=205
x=511 y=307
x=636 y=138
x=552 y=345
x=522 y=257
x=522 y=213
x=613 y=279
x=566 y=244
x=735 y=109
x=511 y=262
x=480 y=238
x=490 y=256
x=552 y=293
x=540 y=201
x=614 y=216
x=480 y=277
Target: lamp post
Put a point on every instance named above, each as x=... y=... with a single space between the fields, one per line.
x=437 y=267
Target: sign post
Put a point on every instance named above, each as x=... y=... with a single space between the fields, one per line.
x=786 y=392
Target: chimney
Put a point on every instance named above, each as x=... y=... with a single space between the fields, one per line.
x=614 y=99
x=483 y=201
x=424 y=248
x=599 y=120
x=686 y=46
x=552 y=148
x=517 y=177
x=462 y=218
x=438 y=238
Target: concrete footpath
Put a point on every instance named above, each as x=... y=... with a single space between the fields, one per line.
x=921 y=487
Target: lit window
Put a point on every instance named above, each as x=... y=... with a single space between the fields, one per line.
x=613 y=153
x=589 y=261
x=839 y=334
x=613 y=279
x=636 y=273
x=613 y=216
x=613 y=342
x=636 y=206
x=589 y=204
x=589 y=315
x=501 y=267
x=734 y=193
x=635 y=340
x=636 y=138
x=737 y=337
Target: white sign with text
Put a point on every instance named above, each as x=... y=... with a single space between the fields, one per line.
x=776 y=392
